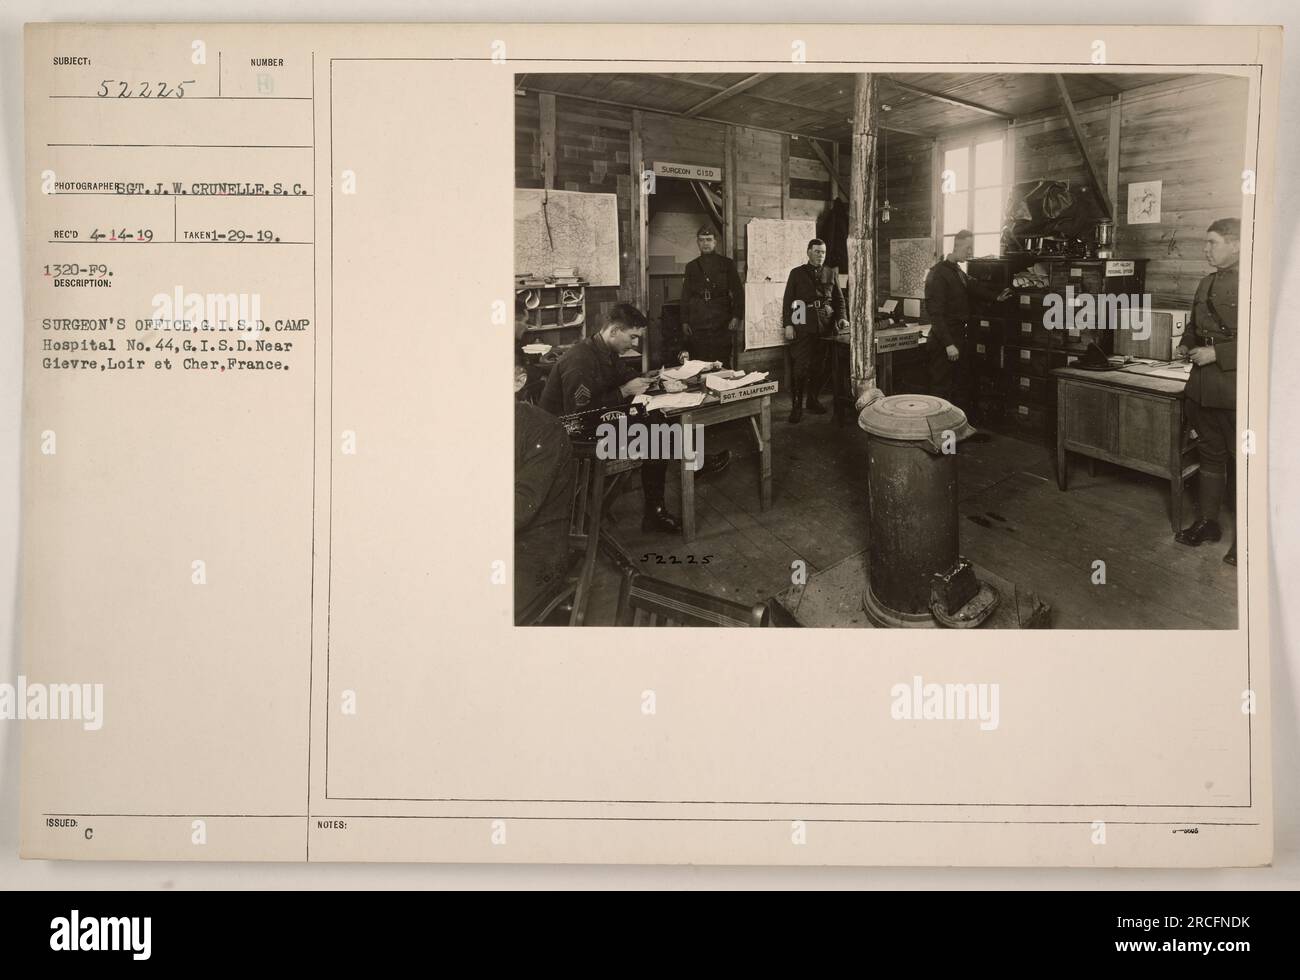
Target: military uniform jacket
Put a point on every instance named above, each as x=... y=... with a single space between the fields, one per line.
x=948 y=293
x=819 y=292
x=543 y=496
x=588 y=376
x=712 y=292
x=1214 y=323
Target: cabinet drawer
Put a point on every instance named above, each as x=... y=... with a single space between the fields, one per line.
x=1031 y=420
x=1028 y=390
x=987 y=328
x=1026 y=360
x=988 y=356
x=1028 y=332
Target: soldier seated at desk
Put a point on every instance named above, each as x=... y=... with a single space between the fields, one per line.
x=594 y=374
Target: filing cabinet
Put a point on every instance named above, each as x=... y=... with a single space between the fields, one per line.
x=1024 y=338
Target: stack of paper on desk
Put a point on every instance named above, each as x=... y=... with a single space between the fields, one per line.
x=687 y=371
x=718 y=383
x=680 y=399
x=1174 y=371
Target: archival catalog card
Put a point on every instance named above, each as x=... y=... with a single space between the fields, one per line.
x=281 y=604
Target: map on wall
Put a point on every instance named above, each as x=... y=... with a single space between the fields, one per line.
x=763 y=326
x=567 y=230
x=909 y=261
x=774 y=246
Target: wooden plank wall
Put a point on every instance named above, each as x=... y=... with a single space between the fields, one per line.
x=592 y=149
x=1194 y=140
x=905 y=177
x=810 y=185
x=1191 y=136
x=593 y=154
x=758 y=182
x=1045 y=148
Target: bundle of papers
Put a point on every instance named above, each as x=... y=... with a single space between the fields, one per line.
x=678 y=400
x=687 y=371
x=718 y=383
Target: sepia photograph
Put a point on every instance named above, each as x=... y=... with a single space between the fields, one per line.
x=946 y=350
x=812 y=327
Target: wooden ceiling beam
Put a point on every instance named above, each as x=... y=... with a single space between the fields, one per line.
x=951 y=100
x=1077 y=129
x=823 y=115
x=710 y=119
x=726 y=93
x=826 y=115
x=830 y=169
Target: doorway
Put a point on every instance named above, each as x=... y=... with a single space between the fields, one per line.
x=674 y=213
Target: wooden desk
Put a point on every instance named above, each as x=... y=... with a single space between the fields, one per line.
x=1127 y=419
x=889 y=340
x=711 y=412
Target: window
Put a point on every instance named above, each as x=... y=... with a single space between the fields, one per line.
x=975 y=196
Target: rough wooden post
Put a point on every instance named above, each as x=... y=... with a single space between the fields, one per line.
x=546 y=104
x=862 y=236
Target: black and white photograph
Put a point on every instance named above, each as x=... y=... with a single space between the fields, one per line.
x=814 y=349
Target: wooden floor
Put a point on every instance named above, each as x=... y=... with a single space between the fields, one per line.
x=1016 y=524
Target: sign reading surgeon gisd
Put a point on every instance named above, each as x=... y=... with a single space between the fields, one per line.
x=691 y=170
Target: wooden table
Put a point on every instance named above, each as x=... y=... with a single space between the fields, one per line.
x=888 y=340
x=1128 y=419
x=712 y=412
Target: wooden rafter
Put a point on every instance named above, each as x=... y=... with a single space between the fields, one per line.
x=828 y=116
x=951 y=100
x=726 y=93
x=830 y=169
x=1077 y=129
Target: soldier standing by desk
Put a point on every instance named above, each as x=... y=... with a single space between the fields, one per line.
x=1210 y=399
x=814 y=309
x=713 y=302
x=949 y=351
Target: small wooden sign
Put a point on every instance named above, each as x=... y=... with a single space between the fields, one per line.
x=897 y=341
x=692 y=171
x=749 y=391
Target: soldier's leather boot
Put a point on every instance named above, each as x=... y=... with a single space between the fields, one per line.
x=657 y=518
x=1202 y=530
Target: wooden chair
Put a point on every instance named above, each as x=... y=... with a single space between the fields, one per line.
x=646 y=601
x=584 y=542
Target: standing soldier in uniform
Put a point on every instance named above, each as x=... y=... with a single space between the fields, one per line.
x=814 y=308
x=713 y=302
x=1210 y=398
x=949 y=352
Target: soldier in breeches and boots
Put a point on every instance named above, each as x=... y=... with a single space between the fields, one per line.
x=813 y=310
x=1210 y=399
x=713 y=302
